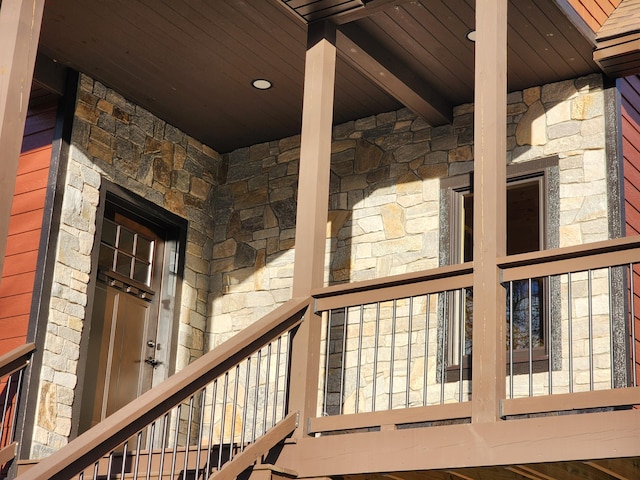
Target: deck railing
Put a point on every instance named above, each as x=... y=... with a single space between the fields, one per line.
x=12 y=367
x=217 y=408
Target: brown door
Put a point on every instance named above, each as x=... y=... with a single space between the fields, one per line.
x=124 y=324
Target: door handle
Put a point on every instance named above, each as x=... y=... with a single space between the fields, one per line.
x=152 y=361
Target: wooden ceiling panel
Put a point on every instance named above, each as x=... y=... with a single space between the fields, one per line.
x=192 y=63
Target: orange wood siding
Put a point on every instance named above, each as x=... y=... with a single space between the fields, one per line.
x=594 y=12
x=630 y=93
x=19 y=271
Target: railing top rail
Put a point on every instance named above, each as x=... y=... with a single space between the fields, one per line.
x=136 y=415
x=592 y=256
x=566 y=253
x=395 y=280
x=16 y=358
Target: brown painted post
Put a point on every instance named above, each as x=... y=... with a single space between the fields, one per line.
x=20 y=22
x=489 y=231
x=313 y=205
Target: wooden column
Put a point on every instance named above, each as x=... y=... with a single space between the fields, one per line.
x=489 y=230
x=20 y=22
x=313 y=205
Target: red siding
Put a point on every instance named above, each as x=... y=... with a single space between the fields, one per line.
x=594 y=12
x=630 y=92
x=18 y=275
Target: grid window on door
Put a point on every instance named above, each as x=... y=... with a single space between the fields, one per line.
x=126 y=252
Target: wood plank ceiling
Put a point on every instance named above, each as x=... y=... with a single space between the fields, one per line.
x=192 y=63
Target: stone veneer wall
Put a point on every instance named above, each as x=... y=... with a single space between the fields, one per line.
x=385 y=194
x=116 y=140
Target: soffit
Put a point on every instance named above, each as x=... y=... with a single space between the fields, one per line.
x=192 y=63
x=618 y=41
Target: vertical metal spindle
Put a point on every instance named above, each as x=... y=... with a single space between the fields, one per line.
x=530 y=313
x=634 y=364
x=245 y=407
x=175 y=441
x=96 y=469
x=359 y=366
x=188 y=439
x=124 y=459
x=277 y=382
x=287 y=369
x=5 y=407
x=325 y=400
x=14 y=415
x=511 y=339
x=214 y=395
x=570 y=333
x=267 y=380
x=152 y=432
x=443 y=365
x=165 y=426
x=203 y=394
x=110 y=464
x=393 y=348
x=425 y=367
x=136 y=462
x=463 y=334
x=225 y=392
x=81 y=476
x=255 y=398
x=590 y=319
x=549 y=336
x=410 y=331
x=375 y=358
x=234 y=412
x=343 y=364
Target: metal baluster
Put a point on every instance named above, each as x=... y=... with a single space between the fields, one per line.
x=326 y=365
x=188 y=439
x=634 y=367
x=530 y=312
x=214 y=395
x=425 y=368
x=570 y=334
x=549 y=335
x=96 y=469
x=175 y=441
x=5 y=408
x=343 y=365
x=277 y=382
x=17 y=402
x=225 y=392
x=375 y=358
x=136 y=462
x=234 y=412
x=444 y=345
x=165 y=425
x=152 y=432
x=410 y=328
x=511 y=339
x=590 y=304
x=357 y=406
x=463 y=334
x=266 y=390
x=109 y=464
x=287 y=369
x=393 y=348
x=255 y=398
x=203 y=393
x=124 y=459
x=246 y=404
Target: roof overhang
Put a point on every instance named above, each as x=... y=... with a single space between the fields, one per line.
x=618 y=41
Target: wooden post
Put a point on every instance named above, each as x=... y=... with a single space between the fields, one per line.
x=489 y=231
x=312 y=212
x=20 y=22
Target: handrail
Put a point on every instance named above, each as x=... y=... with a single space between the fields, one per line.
x=126 y=422
x=16 y=359
x=608 y=253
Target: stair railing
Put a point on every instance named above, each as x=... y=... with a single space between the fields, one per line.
x=12 y=366
x=197 y=420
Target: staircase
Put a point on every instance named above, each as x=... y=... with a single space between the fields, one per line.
x=215 y=418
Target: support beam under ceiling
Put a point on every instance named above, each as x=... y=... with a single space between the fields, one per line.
x=395 y=78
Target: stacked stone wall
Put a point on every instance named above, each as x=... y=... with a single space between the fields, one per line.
x=116 y=140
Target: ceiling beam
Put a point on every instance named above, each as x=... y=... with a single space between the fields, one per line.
x=394 y=77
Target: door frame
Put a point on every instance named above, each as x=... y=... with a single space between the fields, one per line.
x=175 y=229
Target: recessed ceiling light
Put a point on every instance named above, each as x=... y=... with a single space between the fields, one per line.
x=471 y=35
x=261 y=84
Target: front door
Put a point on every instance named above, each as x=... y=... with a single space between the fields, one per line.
x=122 y=341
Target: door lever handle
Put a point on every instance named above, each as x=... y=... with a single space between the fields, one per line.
x=152 y=361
